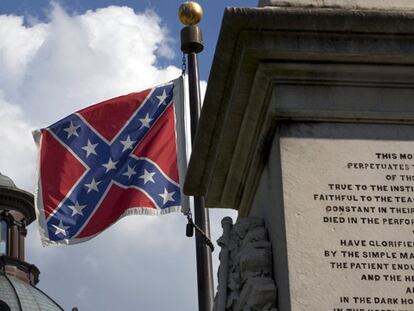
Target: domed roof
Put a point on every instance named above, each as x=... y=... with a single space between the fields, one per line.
x=6 y=181
x=21 y=296
x=17 y=199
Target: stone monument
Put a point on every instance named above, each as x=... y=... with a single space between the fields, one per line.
x=307 y=128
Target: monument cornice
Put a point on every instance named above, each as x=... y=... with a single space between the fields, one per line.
x=260 y=52
x=342 y=4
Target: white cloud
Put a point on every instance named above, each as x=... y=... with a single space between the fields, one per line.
x=91 y=57
x=18 y=152
x=49 y=70
x=17 y=47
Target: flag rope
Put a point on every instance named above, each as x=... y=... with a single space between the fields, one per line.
x=183 y=66
x=191 y=225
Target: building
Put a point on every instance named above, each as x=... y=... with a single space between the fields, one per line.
x=18 y=278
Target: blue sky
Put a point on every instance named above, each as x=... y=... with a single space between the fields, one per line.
x=56 y=59
x=166 y=9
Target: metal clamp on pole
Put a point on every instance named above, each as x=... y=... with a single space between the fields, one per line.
x=190 y=14
x=191 y=40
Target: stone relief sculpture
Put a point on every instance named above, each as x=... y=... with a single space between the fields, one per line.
x=245 y=276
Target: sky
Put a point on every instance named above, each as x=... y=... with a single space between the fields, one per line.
x=58 y=57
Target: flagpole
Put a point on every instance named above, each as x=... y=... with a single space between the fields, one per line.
x=190 y=14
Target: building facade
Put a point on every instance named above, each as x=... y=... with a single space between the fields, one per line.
x=18 y=278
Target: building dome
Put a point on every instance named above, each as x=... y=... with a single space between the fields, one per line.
x=17 y=295
x=18 y=278
x=16 y=199
x=6 y=181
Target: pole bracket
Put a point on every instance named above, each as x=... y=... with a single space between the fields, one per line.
x=191 y=40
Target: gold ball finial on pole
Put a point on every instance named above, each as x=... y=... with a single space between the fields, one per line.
x=190 y=13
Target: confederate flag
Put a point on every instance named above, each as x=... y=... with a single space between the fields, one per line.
x=112 y=159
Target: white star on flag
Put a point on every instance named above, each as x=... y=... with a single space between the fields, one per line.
x=61 y=229
x=72 y=130
x=128 y=143
x=162 y=98
x=90 y=149
x=110 y=165
x=130 y=172
x=166 y=196
x=93 y=185
x=145 y=121
x=77 y=209
x=147 y=176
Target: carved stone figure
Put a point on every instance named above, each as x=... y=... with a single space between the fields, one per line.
x=245 y=274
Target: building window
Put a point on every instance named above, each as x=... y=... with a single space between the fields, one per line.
x=3 y=237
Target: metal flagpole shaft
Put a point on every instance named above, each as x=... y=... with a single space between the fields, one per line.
x=201 y=217
x=190 y=14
